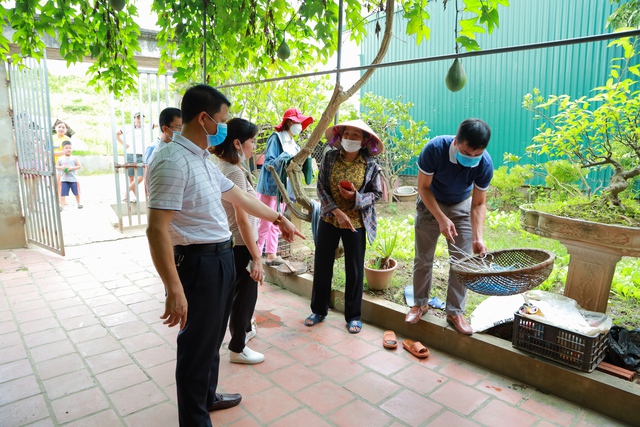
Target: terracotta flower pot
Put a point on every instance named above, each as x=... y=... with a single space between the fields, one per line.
x=377 y=280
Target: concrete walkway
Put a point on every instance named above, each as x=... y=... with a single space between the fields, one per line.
x=81 y=344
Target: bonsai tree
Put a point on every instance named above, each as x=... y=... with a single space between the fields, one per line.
x=597 y=131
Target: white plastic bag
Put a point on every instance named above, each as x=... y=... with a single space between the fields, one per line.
x=495 y=311
x=563 y=312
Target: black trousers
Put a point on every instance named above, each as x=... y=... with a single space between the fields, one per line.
x=355 y=245
x=245 y=295
x=207 y=279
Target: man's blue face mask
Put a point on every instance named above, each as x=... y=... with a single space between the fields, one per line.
x=221 y=133
x=468 y=161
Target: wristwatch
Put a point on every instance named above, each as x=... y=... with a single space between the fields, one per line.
x=278 y=220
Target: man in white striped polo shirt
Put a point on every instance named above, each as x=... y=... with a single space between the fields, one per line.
x=190 y=245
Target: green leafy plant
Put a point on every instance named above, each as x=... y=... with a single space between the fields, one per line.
x=403 y=137
x=506 y=191
x=384 y=245
x=593 y=132
x=626 y=15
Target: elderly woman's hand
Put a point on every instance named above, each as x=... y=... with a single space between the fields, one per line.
x=347 y=190
x=347 y=195
x=343 y=219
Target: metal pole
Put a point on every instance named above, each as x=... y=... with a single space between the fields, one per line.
x=530 y=46
x=339 y=52
x=204 y=42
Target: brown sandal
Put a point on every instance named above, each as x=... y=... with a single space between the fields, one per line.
x=416 y=348
x=389 y=340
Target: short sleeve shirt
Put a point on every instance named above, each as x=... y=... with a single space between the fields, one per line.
x=135 y=137
x=452 y=183
x=239 y=178
x=183 y=179
x=68 y=162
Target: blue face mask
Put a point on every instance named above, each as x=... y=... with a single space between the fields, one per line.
x=468 y=161
x=220 y=135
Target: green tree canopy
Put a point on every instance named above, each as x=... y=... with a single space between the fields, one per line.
x=239 y=35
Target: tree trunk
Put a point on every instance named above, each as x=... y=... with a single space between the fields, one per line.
x=294 y=170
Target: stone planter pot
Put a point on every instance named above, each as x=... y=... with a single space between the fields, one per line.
x=378 y=280
x=595 y=249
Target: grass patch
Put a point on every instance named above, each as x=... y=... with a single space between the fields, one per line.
x=502 y=231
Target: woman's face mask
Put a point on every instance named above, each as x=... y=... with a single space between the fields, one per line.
x=351 y=145
x=295 y=129
x=241 y=155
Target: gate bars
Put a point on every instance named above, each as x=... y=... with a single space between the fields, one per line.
x=35 y=158
x=154 y=93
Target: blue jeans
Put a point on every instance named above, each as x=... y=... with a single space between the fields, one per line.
x=427 y=232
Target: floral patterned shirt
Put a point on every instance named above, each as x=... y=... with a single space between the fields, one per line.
x=368 y=192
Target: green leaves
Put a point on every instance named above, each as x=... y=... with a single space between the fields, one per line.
x=594 y=132
x=417 y=15
x=240 y=35
x=402 y=136
x=481 y=16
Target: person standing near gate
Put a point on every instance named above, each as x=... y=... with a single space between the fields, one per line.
x=453 y=178
x=68 y=167
x=170 y=124
x=61 y=134
x=134 y=149
x=191 y=248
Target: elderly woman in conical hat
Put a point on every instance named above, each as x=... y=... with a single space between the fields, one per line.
x=348 y=187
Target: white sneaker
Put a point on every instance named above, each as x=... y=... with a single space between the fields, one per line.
x=247 y=357
x=251 y=334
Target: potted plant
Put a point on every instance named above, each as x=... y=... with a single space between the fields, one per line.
x=379 y=270
x=600 y=131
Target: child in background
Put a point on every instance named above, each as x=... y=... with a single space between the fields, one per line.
x=68 y=165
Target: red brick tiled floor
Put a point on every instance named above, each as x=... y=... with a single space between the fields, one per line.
x=81 y=344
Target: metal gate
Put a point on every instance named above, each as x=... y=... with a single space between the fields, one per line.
x=35 y=158
x=130 y=143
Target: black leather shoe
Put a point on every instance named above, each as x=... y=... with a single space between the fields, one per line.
x=225 y=401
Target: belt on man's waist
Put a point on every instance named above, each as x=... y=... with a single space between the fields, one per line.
x=203 y=248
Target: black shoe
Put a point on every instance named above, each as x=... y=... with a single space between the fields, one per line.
x=225 y=401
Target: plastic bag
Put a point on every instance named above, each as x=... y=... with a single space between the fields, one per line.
x=563 y=312
x=495 y=311
x=624 y=348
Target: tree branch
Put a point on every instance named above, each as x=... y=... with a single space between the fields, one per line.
x=294 y=170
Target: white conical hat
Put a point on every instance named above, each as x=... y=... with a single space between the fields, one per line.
x=374 y=143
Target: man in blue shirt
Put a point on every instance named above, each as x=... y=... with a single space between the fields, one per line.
x=455 y=172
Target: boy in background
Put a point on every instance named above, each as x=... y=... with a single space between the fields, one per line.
x=68 y=165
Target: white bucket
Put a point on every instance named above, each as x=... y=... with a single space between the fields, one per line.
x=405 y=194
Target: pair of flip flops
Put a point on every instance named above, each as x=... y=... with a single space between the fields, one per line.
x=390 y=341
